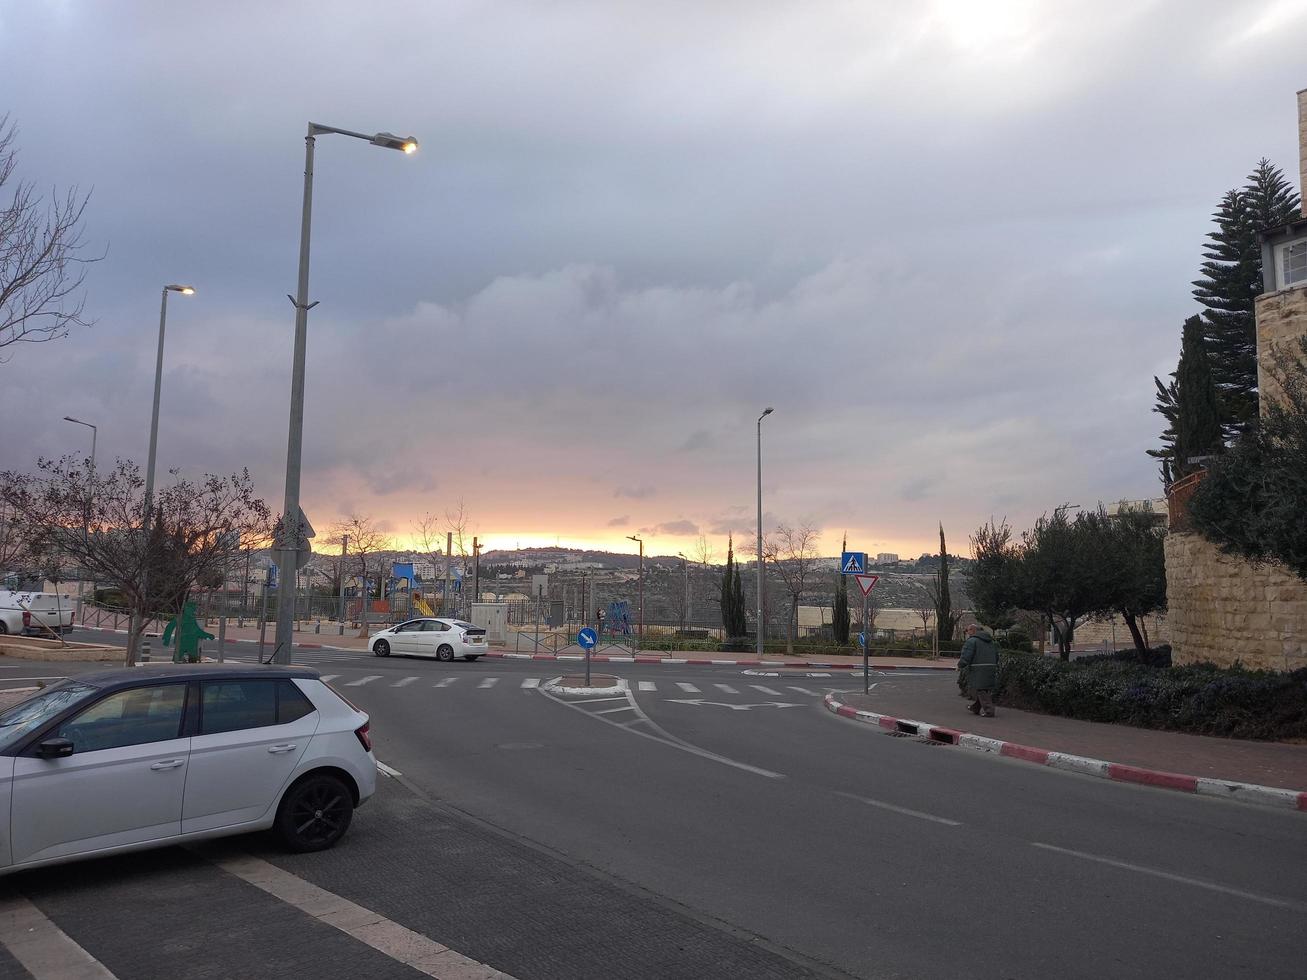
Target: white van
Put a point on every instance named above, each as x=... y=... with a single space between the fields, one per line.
x=43 y=609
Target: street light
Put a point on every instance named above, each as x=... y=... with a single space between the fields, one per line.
x=685 y=569
x=154 y=444
x=636 y=537
x=90 y=496
x=288 y=546
x=761 y=629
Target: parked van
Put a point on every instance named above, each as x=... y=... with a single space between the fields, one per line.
x=36 y=612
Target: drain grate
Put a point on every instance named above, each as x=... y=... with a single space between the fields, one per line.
x=901 y=734
x=931 y=741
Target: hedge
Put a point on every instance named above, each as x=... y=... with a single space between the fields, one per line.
x=1200 y=699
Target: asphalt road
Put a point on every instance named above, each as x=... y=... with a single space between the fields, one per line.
x=733 y=802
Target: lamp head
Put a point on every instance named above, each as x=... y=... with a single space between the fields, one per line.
x=405 y=144
x=768 y=410
x=184 y=290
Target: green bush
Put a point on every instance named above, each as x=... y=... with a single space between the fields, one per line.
x=1016 y=639
x=1200 y=699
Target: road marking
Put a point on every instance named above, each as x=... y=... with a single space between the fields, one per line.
x=444 y=682
x=403 y=681
x=488 y=682
x=1283 y=903
x=726 y=689
x=687 y=688
x=881 y=804
x=648 y=686
x=700 y=702
x=531 y=682
x=766 y=690
x=364 y=680
x=619 y=697
x=399 y=943
x=819 y=675
x=328 y=677
x=804 y=690
x=610 y=711
x=44 y=950
x=382 y=767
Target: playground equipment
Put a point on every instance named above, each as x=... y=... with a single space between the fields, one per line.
x=423 y=607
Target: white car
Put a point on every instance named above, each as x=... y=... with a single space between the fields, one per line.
x=127 y=759
x=36 y=612
x=444 y=639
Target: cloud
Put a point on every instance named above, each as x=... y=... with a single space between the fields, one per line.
x=622 y=521
x=642 y=492
x=680 y=528
x=698 y=439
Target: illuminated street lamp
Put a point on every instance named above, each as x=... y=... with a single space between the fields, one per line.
x=90 y=498
x=288 y=546
x=761 y=582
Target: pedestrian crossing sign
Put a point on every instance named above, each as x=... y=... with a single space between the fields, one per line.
x=853 y=563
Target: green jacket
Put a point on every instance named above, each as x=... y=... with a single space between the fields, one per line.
x=978 y=664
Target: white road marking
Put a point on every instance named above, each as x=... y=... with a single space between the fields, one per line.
x=382 y=767
x=734 y=707
x=531 y=682
x=444 y=682
x=804 y=690
x=328 y=677
x=766 y=690
x=610 y=711
x=403 y=681
x=1283 y=903
x=726 y=688
x=44 y=950
x=488 y=682
x=619 y=697
x=648 y=686
x=687 y=688
x=819 y=675
x=399 y=943
x=881 y=804
x=364 y=680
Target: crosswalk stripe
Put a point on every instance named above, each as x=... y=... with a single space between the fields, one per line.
x=489 y=682
x=804 y=690
x=364 y=680
x=531 y=682
x=648 y=686
x=766 y=690
x=819 y=675
x=687 y=688
x=444 y=682
x=403 y=681
x=726 y=688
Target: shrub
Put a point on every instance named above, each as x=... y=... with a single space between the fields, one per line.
x=1158 y=656
x=1016 y=639
x=1200 y=699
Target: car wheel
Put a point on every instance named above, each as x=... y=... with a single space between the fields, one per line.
x=3 y=628
x=314 y=813
x=472 y=658
x=445 y=653
x=381 y=649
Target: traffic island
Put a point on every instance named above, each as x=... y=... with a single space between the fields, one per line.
x=34 y=648
x=575 y=685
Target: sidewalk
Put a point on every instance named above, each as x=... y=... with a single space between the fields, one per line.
x=933 y=703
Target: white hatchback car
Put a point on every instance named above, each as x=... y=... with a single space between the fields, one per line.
x=444 y=639
x=126 y=759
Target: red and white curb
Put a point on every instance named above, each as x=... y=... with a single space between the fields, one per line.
x=682 y=662
x=554 y=687
x=1202 y=785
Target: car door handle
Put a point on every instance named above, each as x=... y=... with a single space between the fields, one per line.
x=168 y=764
x=278 y=749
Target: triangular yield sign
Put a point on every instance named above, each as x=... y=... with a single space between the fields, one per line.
x=866 y=582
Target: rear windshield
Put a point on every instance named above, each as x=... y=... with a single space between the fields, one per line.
x=467 y=626
x=18 y=721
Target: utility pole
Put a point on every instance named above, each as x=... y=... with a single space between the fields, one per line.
x=445 y=606
x=761 y=583
x=344 y=547
x=476 y=575
x=637 y=538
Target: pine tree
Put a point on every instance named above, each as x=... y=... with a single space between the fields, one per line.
x=1167 y=395
x=738 y=607
x=728 y=590
x=946 y=621
x=1229 y=283
x=840 y=616
x=1197 y=416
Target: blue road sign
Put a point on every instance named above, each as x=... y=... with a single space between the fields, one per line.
x=853 y=562
x=862 y=639
x=586 y=638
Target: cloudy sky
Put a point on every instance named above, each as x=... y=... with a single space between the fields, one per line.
x=950 y=242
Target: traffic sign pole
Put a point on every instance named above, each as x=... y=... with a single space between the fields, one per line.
x=866 y=645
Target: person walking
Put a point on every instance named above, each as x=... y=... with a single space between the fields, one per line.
x=978 y=670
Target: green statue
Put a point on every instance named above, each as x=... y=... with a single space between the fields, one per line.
x=189 y=634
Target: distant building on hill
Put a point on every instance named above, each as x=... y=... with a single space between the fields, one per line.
x=886 y=558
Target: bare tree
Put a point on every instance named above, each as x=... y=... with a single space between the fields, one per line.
x=366 y=541
x=703 y=551
x=459 y=525
x=192 y=532
x=42 y=265
x=793 y=555
x=19 y=549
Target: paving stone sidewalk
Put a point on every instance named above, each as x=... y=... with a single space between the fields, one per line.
x=935 y=700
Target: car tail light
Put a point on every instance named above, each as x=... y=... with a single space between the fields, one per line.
x=27 y=619
x=365 y=739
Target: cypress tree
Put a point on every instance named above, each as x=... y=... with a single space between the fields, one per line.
x=840 y=616
x=945 y=621
x=1229 y=283
x=738 y=607
x=728 y=591
x=1197 y=416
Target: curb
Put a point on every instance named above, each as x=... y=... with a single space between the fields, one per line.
x=553 y=688
x=679 y=662
x=1251 y=793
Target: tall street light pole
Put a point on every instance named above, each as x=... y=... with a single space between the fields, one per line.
x=149 y=461
x=640 y=541
x=90 y=498
x=288 y=546
x=685 y=570
x=761 y=583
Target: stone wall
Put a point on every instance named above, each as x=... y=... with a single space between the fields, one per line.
x=1111 y=629
x=1281 y=320
x=1222 y=609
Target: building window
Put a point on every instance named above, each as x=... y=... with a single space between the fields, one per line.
x=1293 y=264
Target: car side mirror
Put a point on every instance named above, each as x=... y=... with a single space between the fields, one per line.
x=55 y=748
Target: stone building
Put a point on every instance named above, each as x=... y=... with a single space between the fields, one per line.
x=1221 y=608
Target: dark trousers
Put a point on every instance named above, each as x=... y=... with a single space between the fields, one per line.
x=982 y=701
